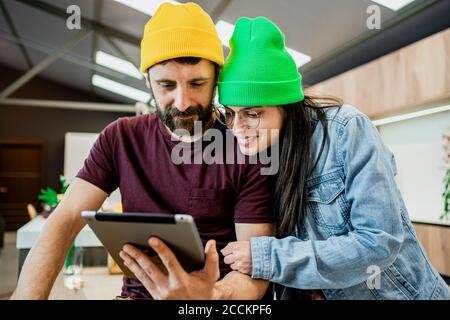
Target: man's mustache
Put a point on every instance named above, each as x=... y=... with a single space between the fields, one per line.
x=194 y=110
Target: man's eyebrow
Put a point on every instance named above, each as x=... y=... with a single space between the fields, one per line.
x=190 y=80
x=200 y=79
x=165 y=80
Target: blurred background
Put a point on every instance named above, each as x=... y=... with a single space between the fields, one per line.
x=68 y=68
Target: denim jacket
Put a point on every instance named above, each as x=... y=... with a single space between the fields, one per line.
x=357 y=241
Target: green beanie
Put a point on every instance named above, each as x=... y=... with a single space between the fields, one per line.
x=259 y=71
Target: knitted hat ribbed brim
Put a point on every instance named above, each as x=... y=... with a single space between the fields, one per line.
x=259 y=71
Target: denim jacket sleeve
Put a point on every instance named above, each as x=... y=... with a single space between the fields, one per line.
x=376 y=234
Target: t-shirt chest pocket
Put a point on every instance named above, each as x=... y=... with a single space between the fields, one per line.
x=211 y=204
x=327 y=205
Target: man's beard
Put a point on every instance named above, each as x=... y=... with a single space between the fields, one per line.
x=170 y=117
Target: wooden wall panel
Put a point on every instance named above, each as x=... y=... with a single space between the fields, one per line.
x=436 y=241
x=408 y=79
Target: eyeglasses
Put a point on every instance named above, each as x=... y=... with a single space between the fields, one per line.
x=248 y=117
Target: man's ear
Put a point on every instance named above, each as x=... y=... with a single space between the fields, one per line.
x=217 y=73
x=147 y=79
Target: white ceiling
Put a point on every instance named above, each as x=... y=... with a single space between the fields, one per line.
x=313 y=27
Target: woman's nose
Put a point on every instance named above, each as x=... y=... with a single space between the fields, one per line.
x=239 y=125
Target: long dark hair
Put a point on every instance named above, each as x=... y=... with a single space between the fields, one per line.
x=294 y=170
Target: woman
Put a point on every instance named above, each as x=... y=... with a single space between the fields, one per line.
x=342 y=224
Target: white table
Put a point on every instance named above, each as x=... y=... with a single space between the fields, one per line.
x=98 y=285
x=28 y=234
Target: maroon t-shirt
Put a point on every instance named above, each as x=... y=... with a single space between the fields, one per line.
x=134 y=155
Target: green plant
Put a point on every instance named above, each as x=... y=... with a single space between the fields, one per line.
x=446 y=193
x=64 y=184
x=49 y=196
x=446 y=196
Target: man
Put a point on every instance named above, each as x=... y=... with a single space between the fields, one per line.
x=180 y=55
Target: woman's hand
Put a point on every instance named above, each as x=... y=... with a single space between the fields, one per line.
x=238 y=255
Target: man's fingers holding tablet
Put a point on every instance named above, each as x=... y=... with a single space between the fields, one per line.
x=212 y=260
x=167 y=257
x=137 y=270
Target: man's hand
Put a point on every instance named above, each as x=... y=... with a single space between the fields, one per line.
x=177 y=284
x=238 y=255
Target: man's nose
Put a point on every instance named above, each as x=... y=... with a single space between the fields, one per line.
x=182 y=99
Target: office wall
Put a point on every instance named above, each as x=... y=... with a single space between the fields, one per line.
x=418 y=148
x=77 y=146
x=48 y=124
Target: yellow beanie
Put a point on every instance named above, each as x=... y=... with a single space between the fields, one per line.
x=183 y=30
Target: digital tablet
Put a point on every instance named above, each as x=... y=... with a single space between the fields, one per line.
x=178 y=231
